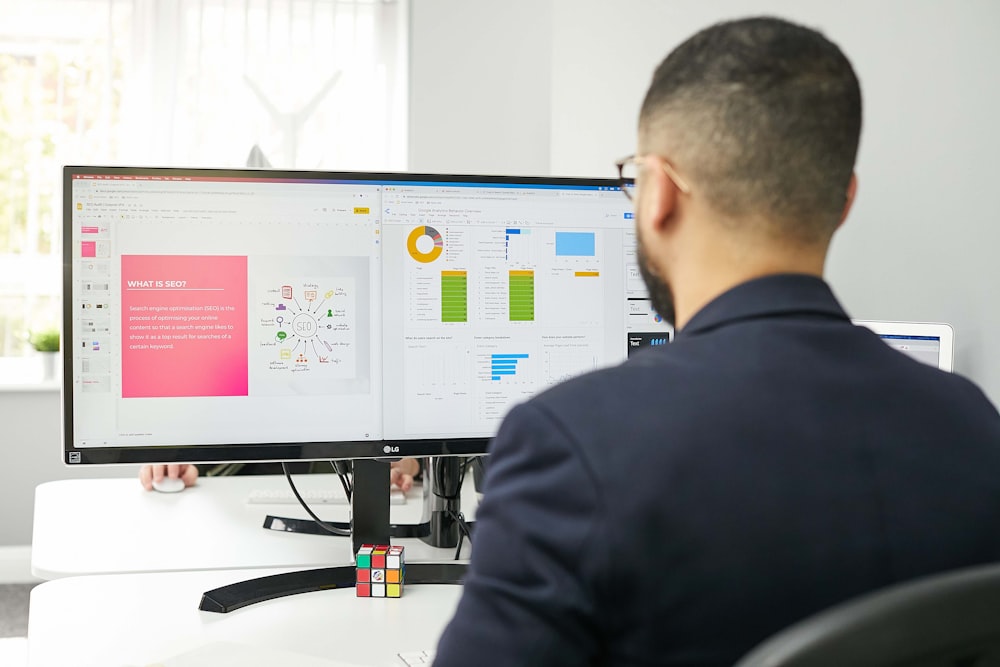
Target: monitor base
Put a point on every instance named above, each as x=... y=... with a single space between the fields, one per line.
x=229 y=598
x=369 y=525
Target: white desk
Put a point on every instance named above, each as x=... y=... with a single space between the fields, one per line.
x=105 y=526
x=144 y=619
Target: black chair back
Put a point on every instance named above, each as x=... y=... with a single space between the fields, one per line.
x=945 y=620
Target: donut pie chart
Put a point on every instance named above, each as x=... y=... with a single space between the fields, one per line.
x=435 y=250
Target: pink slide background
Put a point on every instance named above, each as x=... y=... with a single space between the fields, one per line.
x=193 y=367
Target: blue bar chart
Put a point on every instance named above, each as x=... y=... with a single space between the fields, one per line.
x=504 y=365
x=517 y=246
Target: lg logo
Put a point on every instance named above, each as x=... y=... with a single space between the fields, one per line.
x=388 y=449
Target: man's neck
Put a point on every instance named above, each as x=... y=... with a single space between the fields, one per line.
x=698 y=282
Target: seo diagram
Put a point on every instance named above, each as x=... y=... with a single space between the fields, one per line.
x=307 y=326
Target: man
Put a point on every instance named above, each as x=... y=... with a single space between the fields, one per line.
x=774 y=459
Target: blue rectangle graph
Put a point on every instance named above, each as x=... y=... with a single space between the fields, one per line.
x=575 y=244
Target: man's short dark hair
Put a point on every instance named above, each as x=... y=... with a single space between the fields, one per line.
x=764 y=116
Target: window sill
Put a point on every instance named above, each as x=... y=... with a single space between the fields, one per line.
x=47 y=385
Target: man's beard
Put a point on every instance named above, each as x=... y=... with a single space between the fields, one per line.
x=659 y=291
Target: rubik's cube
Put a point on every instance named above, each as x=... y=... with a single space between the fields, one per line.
x=381 y=570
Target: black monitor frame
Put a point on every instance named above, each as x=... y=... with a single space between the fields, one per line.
x=290 y=451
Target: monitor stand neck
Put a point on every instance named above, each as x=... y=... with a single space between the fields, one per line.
x=370 y=503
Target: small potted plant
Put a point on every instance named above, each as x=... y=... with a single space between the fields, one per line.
x=46 y=341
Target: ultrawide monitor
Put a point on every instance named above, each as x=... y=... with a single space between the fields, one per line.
x=263 y=315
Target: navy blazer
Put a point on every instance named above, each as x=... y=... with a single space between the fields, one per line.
x=681 y=507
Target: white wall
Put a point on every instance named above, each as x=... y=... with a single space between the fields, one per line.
x=920 y=242
x=31 y=446
x=479 y=86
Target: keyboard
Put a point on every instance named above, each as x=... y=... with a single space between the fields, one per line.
x=414 y=658
x=284 y=496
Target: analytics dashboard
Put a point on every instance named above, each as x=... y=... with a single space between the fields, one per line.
x=211 y=306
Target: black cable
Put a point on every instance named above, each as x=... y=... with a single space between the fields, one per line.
x=465 y=467
x=319 y=522
x=458 y=484
x=463 y=531
x=461 y=536
x=341 y=468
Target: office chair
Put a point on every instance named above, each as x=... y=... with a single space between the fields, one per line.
x=944 y=620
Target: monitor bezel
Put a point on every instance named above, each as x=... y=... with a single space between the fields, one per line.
x=262 y=452
x=943 y=332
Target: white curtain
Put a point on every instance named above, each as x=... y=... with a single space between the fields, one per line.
x=313 y=83
x=309 y=84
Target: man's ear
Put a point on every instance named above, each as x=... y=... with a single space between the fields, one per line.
x=852 y=191
x=658 y=196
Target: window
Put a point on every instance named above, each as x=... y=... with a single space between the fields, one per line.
x=309 y=84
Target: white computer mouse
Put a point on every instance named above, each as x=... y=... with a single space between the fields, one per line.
x=169 y=485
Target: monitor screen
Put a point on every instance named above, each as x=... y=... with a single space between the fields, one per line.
x=264 y=315
x=928 y=342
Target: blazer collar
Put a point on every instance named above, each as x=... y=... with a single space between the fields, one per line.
x=782 y=294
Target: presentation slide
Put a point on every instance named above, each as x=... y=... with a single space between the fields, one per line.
x=184 y=326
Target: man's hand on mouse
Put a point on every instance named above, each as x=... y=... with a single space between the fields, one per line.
x=183 y=471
